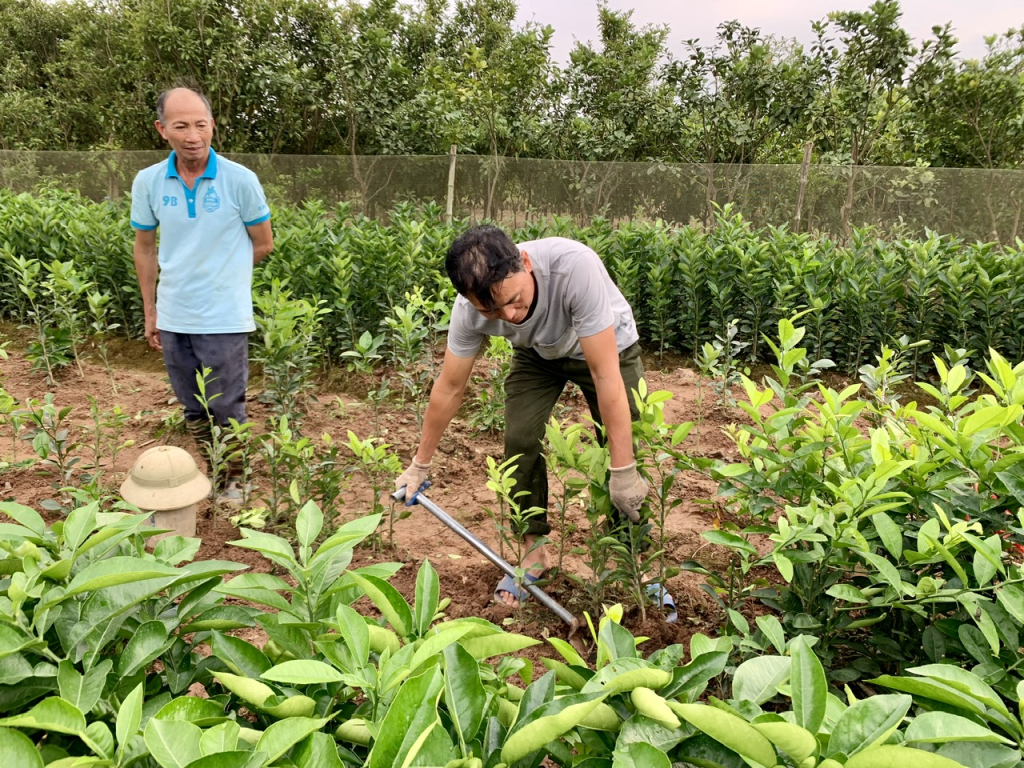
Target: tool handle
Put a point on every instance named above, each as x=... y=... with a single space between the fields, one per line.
x=542 y=597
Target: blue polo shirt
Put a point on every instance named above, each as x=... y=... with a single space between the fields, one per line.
x=205 y=254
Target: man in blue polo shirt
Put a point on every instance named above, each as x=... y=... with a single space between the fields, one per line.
x=214 y=225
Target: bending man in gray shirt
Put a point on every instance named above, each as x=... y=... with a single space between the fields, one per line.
x=566 y=320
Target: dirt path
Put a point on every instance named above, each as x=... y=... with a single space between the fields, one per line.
x=459 y=482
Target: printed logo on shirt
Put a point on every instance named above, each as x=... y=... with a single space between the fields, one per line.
x=211 y=202
x=170 y=200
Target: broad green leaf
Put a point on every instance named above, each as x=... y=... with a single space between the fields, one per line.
x=274 y=548
x=463 y=692
x=18 y=751
x=355 y=634
x=569 y=653
x=261 y=588
x=889 y=533
x=565 y=674
x=241 y=657
x=547 y=723
x=13 y=639
x=987 y=556
x=931 y=689
x=689 y=681
x=302 y=672
x=99 y=739
x=784 y=564
x=758 y=679
x=350 y=534
x=192 y=709
x=221 y=618
x=989 y=417
x=496 y=645
x=867 y=723
x=433 y=644
x=14 y=669
x=129 y=715
x=771 y=628
x=82 y=691
x=388 y=601
x=175 y=550
x=79 y=523
x=146 y=643
x=730 y=731
x=701 y=750
x=942 y=727
x=117 y=570
x=31 y=519
x=983 y=620
x=408 y=722
x=233 y=759
x=981 y=755
x=308 y=523
x=640 y=755
x=285 y=734
x=318 y=750
x=795 y=741
x=248 y=690
x=808 y=686
x=899 y=757
x=962 y=680
x=1011 y=597
x=737 y=620
x=637 y=729
x=887 y=571
x=220 y=738
x=1013 y=480
x=427 y=595
x=730 y=540
x=846 y=592
x=52 y=714
x=173 y=743
x=934 y=643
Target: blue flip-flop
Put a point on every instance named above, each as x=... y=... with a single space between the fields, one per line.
x=509 y=586
x=660 y=596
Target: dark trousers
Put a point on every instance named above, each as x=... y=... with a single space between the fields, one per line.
x=226 y=354
x=532 y=388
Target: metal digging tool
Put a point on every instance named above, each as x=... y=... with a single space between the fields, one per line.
x=542 y=597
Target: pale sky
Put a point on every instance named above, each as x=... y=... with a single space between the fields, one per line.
x=577 y=19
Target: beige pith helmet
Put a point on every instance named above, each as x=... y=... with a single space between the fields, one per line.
x=165 y=477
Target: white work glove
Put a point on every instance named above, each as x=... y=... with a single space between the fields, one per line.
x=628 y=490
x=413 y=478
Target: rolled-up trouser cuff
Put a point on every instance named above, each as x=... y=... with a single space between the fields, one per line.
x=535 y=526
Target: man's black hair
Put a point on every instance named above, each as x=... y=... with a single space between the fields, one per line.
x=479 y=260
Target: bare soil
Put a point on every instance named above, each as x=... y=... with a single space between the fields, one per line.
x=459 y=476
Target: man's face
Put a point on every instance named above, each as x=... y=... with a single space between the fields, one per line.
x=187 y=125
x=512 y=296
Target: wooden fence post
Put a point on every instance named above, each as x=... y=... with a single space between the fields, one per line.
x=449 y=207
x=805 y=168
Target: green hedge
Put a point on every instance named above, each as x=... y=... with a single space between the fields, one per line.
x=685 y=284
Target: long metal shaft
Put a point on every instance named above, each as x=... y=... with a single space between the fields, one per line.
x=542 y=597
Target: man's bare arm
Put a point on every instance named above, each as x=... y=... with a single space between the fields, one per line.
x=262 y=237
x=602 y=356
x=147 y=268
x=445 y=399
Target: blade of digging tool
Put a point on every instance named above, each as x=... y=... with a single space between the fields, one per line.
x=542 y=597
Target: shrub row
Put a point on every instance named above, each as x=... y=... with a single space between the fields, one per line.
x=687 y=285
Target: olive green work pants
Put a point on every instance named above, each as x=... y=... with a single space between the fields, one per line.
x=532 y=388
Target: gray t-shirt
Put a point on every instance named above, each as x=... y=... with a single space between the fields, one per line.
x=575 y=297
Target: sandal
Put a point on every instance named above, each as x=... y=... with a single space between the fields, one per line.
x=661 y=597
x=509 y=586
